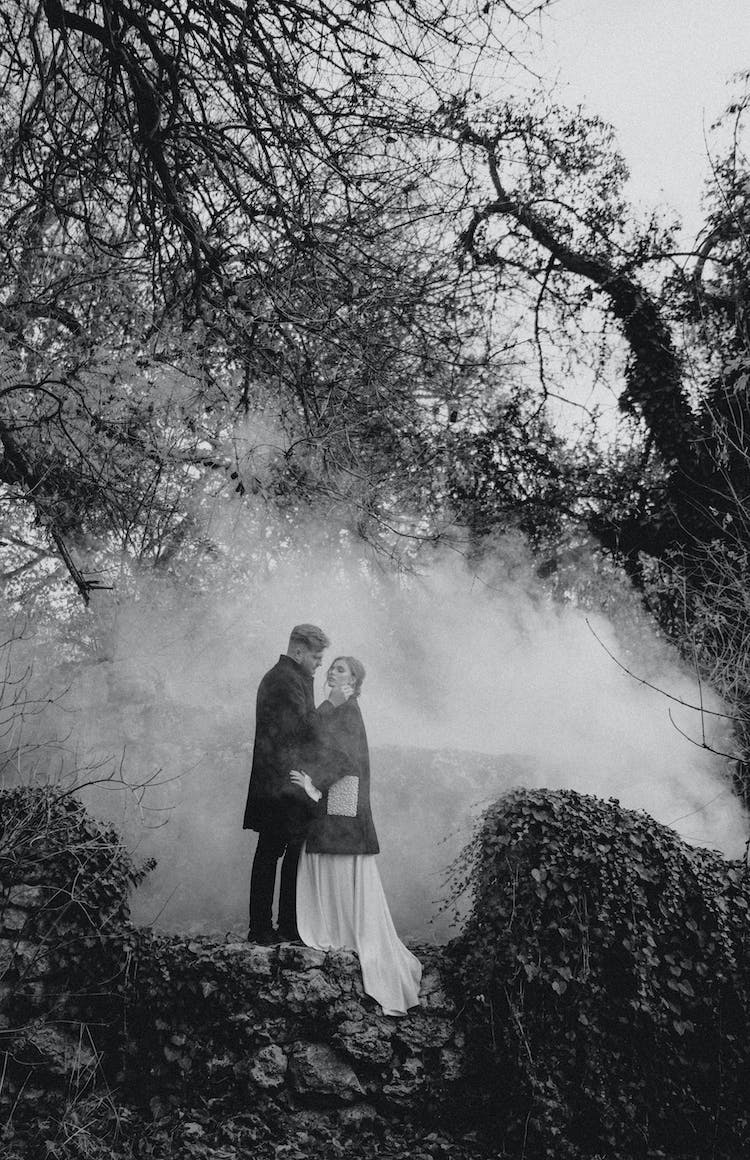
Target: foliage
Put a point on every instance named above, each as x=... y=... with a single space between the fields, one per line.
x=225 y=272
x=200 y=140
x=602 y=974
x=47 y=837
x=291 y=260
x=179 y=1022
x=109 y=1130
x=196 y=1045
x=556 y=230
x=604 y=971
x=84 y=876
x=508 y=469
x=614 y=301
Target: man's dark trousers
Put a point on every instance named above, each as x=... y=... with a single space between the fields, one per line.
x=270 y=848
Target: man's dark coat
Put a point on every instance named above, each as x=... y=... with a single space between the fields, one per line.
x=286 y=737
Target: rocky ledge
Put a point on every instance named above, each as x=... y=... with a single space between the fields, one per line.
x=290 y=1028
x=285 y=1030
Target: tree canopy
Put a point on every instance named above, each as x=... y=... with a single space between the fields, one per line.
x=216 y=212
x=309 y=259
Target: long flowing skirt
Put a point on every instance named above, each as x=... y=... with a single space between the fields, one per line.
x=341 y=903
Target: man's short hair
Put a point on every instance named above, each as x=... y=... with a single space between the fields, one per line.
x=309 y=636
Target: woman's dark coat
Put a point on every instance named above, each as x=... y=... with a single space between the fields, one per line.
x=287 y=736
x=342 y=730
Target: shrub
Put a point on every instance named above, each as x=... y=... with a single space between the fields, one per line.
x=604 y=971
x=65 y=879
x=47 y=837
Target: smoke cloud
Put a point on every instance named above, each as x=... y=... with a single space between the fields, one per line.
x=475 y=684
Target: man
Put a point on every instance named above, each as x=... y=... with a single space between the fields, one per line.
x=285 y=739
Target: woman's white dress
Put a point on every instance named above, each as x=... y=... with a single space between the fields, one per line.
x=341 y=903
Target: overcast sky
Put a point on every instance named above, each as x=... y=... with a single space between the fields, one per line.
x=659 y=71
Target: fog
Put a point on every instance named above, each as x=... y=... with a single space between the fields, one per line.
x=475 y=684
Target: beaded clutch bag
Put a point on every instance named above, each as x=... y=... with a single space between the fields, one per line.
x=342 y=797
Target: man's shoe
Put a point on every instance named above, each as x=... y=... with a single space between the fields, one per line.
x=264 y=938
x=290 y=936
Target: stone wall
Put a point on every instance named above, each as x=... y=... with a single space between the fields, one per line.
x=288 y=1029
x=86 y=996
x=24 y=963
x=38 y=1039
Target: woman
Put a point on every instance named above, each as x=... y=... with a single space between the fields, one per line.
x=340 y=898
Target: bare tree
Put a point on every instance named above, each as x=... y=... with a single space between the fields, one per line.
x=247 y=176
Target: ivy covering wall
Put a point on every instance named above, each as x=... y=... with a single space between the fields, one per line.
x=605 y=965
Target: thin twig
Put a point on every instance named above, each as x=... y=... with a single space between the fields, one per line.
x=656 y=688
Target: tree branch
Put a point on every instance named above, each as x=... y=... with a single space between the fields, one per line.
x=654 y=388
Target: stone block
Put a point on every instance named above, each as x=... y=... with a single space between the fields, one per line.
x=6 y=994
x=268 y=1068
x=432 y=993
x=431 y=982
x=381 y=1026
x=7 y=955
x=30 y=960
x=405 y=1082
x=309 y=990
x=13 y=919
x=319 y=1072
x=256 y=960
x=343 y=962
x=422 y=1030
x=350 y=982
x=296 y=958
x=28 y=897
x=365 y=1042
x=64 y=925
x=357 y=1116
x=25 y=959
x=275 y=1031
x=347 y=1011
x=55 y=1051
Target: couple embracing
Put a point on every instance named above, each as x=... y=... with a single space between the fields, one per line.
x=309 y=801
